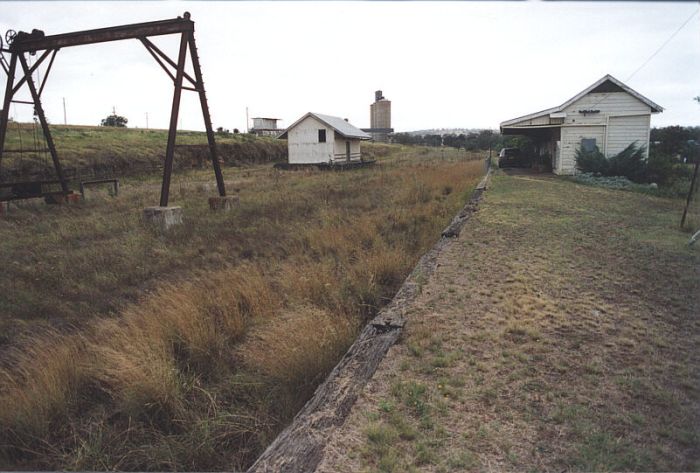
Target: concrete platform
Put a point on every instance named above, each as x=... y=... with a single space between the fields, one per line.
x=224 y=204
x=163 y=217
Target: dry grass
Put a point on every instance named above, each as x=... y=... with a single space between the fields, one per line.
x=194 y=351
x=143 y=362
x=88 y=150
x=295 y=351
x=560 y=332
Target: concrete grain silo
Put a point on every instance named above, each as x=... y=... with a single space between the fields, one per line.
x=380 y=118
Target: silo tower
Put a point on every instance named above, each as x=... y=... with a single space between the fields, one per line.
x=380 y=118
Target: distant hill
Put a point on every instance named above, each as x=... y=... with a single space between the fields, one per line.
x=444 y=131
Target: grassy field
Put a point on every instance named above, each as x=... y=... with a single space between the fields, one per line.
x=559 y=333
x=87 y=150
x=127 y=348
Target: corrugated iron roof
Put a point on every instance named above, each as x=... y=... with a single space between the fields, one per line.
x=342 y=127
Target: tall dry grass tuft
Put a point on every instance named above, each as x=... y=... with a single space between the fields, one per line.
x=40 y=384
x=141 y=364
x=295 y=351
x=179 y=330
x=315 y=283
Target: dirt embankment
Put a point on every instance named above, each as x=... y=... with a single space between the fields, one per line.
x=108 y=162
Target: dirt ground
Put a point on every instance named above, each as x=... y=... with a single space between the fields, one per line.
x=559 y=332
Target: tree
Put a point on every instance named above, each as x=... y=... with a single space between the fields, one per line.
x=671 y=139
x=524 y=143
x=433 y=140
x=485 y=139
x=455 y=141
x=114 y=120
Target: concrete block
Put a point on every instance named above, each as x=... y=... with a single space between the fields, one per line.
x=60 y=198
x=163 y=217
x=225 y=203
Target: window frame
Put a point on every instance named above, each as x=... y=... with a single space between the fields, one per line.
x=588 y=145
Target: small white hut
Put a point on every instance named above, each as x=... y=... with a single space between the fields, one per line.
x=265 y=126
x=317 y=138
x=608 y=114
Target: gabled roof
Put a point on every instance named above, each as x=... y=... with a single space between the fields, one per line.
x=342 y=127
x=605 y=84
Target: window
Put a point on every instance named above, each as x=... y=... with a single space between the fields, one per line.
x=588 y=144
x=321 y=136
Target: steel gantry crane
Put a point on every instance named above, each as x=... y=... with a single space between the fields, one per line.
x=20 y=44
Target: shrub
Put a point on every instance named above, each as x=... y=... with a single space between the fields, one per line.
x=659 y=168
x=630 y=162
x=591 y=161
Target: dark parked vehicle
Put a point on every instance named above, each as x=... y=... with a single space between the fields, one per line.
x=511 y=158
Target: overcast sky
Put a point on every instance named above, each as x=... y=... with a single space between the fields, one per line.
x=442 y=64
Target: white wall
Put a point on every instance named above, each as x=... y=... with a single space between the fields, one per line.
x=341 y=150
x=623 y=119
x=612 y=103
x=264 y=123
x=303 y=145
x=625 y=130
x=571 y=137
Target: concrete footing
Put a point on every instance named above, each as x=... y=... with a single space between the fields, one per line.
x=163 y=217
x=225 y=203
x=59 y=198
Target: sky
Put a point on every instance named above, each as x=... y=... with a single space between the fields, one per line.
x=442 y=64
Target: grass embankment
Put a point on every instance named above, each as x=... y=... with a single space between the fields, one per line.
x=190 y=350
x=560 y=332
x=86 y=150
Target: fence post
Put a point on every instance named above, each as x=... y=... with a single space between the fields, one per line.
x=690 y=191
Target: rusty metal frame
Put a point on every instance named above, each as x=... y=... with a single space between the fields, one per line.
x=50 y=45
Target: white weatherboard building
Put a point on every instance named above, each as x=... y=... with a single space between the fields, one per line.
x=608 y=114
x=317 y=138
x=264 y=126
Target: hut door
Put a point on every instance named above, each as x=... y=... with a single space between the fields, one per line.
x=347 y=151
